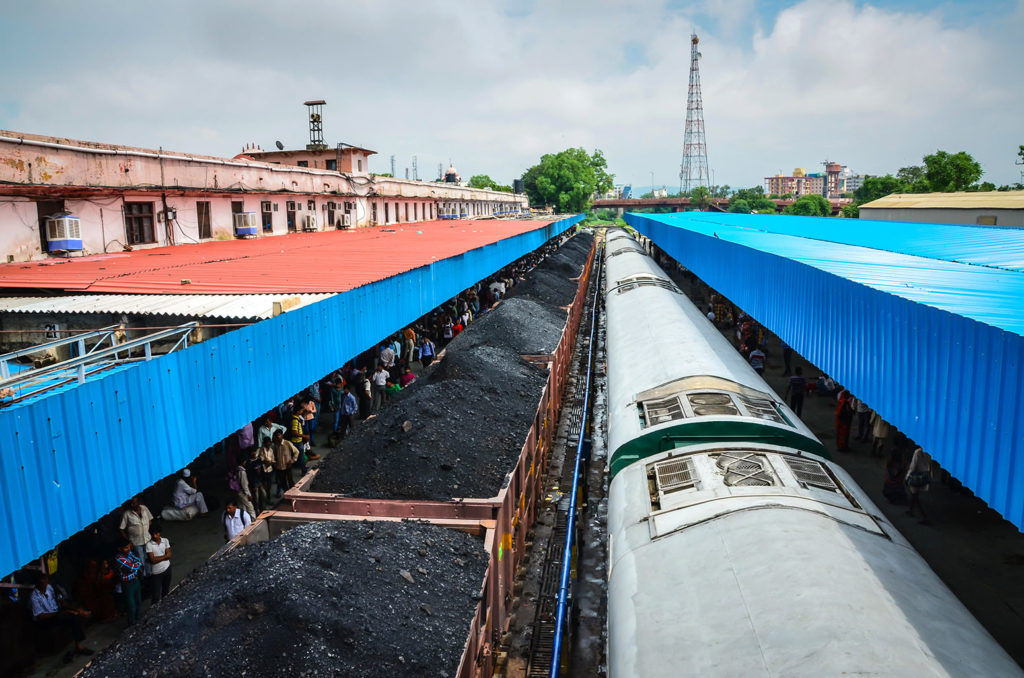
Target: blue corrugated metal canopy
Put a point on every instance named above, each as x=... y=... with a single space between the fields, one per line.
x=934 y=344
x=74 y=455
x=995 y=247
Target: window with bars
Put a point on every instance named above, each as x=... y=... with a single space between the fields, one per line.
x=662 y=410
x=203 y=217
x=762 y=408
x=810 y=473
x=634 y=284
x=674 y=475
x=138 y=223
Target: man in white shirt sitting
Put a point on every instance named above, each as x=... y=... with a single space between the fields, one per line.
x=186 y=494
x=50 y=609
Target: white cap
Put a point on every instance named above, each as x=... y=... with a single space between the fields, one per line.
x=186 y=473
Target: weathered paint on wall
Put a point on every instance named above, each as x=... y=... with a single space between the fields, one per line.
x=96 y=179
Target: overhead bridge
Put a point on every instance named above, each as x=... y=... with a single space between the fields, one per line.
x=74 y=453
x=682 y=204
x=924 y=322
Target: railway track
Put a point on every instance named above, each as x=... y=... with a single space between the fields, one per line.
x=559 y=570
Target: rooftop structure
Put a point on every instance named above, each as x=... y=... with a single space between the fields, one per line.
x=981 y=208
x=332 y=261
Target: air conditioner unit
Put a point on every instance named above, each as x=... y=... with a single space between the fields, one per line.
x=346 y=221
x=309 y=222
x=245 y=224
x=63 y=234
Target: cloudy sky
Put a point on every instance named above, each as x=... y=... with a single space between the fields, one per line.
x=494 y=85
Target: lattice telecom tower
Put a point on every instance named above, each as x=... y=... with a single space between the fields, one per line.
x=694 y=169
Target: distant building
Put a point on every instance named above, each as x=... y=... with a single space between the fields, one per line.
x=344 y=158
x=660 y=193
x=829 y=183
x=850 y=181
x=981 y=208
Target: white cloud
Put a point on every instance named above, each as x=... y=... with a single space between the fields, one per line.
x=492 y=87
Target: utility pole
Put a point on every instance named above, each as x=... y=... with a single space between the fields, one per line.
x=694 y=169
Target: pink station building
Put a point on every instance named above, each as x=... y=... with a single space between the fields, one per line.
x=62 y=197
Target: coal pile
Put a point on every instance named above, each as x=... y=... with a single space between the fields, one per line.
x=550 y=281
x=323 y=599
x=460 y=428
x=520 y=324
x=457 y=432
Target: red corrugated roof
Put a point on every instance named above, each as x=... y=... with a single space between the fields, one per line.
x=332 y=261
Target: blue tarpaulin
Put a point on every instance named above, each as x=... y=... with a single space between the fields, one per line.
x=72 y=457
x=929 y=336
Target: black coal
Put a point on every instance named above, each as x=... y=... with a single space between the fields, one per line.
x=322 y=599
x=459 y=429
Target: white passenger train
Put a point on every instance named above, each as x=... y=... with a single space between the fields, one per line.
x=736 y=548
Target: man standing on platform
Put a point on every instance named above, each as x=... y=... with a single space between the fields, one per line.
x=135 y=523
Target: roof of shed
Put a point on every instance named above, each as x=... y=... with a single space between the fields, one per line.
x=324 y=262
x=996 y=200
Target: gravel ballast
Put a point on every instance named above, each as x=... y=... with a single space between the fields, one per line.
x=460 y=428
x=322 y=599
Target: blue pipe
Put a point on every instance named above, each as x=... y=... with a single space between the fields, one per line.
x=563 y=586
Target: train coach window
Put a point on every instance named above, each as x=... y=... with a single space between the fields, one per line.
x=663 y=410
x=762 y=408
x=670 y=476
x=674 y=475
x=810 y=473
x=633 y=249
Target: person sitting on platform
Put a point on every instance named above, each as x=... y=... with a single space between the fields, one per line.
x=51 y=609
x=186 y=494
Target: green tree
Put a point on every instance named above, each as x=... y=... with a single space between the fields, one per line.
x=851 y=211
x=812 y=205
x=480 y=181
x=739 y=206
x=947 y=172
x=873 y=188
x=914 y=178
x=567 y=180
x=605 y=181
x=700 y=197
x=755 y=198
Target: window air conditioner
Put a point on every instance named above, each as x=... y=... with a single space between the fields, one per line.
x=63 y=234
x=309 y=221
x=245 y=224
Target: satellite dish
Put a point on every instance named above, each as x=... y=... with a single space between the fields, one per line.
x=280 y=146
